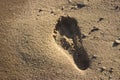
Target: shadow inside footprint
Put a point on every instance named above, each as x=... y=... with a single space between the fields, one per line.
x=68 y=36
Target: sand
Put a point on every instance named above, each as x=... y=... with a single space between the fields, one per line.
x=59 y=39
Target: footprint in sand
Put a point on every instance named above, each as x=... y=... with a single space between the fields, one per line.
x=68 y=36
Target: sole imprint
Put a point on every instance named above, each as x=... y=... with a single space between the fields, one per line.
x=68 y=36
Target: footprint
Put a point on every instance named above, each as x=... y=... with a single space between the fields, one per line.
x=67 y=34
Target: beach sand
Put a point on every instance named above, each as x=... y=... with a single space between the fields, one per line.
x=59 y=39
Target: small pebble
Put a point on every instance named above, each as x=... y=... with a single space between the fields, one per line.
x=102 y=69
x=99 y=63
x=52 y=12
x=116 y=42
x=111 y=70
x=110 y=77
x=74 y=7
x=80 y=5
x=40 y=10
x=117 y=7
x=100 y=19
x=83 y=36
x=94 y=56
x=94 y=29
x=62 y=8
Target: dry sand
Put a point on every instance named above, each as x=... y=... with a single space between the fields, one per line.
x=59 y=39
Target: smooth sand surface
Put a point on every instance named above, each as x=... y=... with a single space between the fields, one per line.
x=59 y=40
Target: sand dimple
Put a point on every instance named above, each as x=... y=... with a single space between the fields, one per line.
x=68 y=36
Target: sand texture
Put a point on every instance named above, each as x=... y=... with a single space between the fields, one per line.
x=59 y=39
